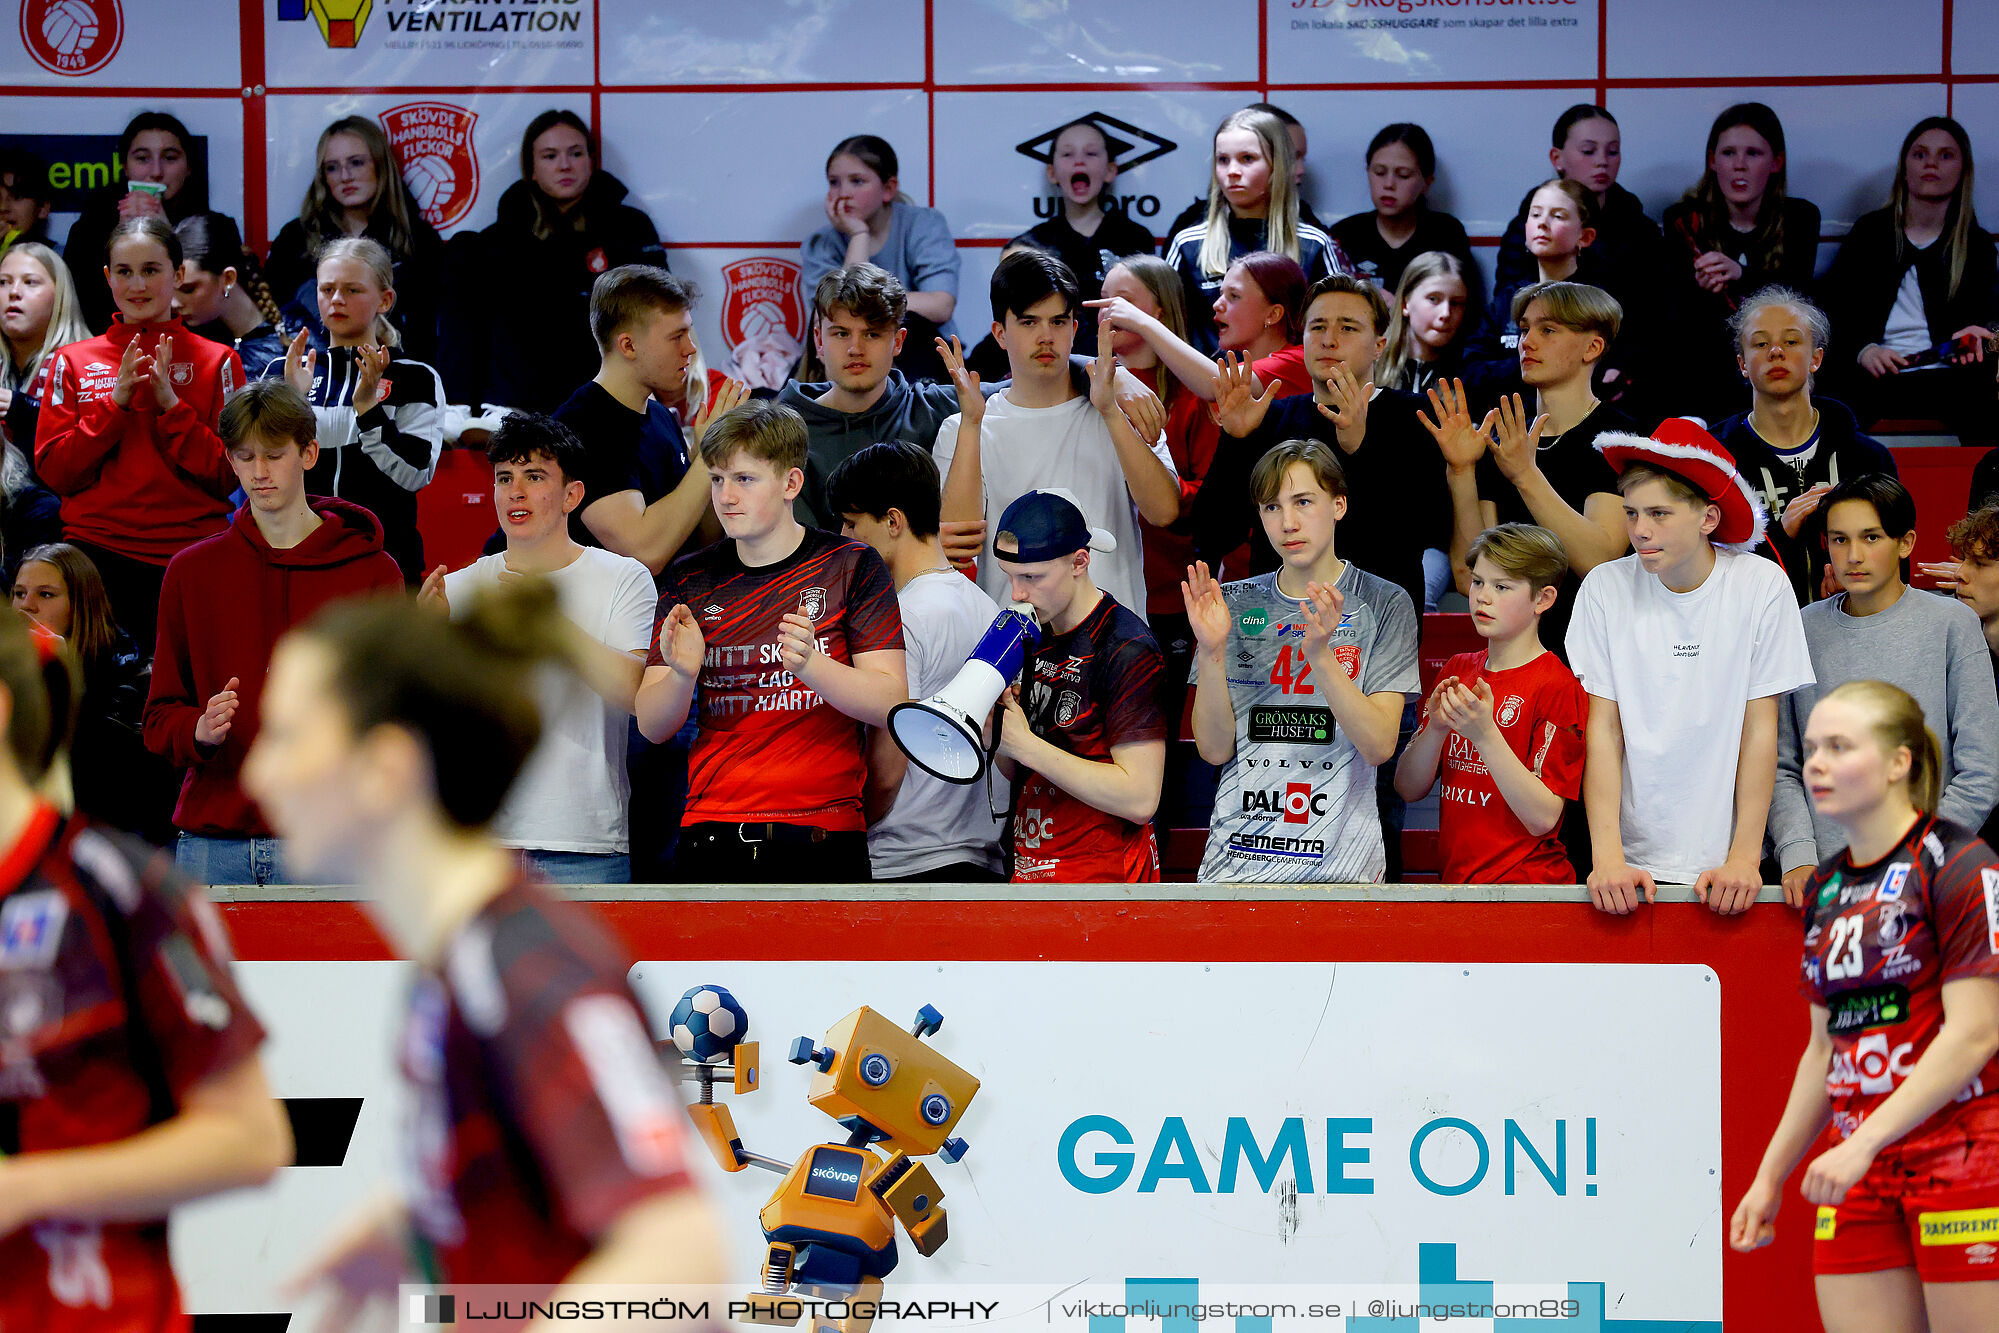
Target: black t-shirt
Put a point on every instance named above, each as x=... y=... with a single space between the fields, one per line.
x=1376 y=259
x=1397 y=499
x=624 y=450
x=1577 y=471
x=1091 y=257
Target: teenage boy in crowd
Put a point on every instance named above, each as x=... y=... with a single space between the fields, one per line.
x=1397 y=503
x=224 y=605
x=1685 y=647
x=1792 y=445
x=1301 y=678
x=793 y=636
x=568 y=810
x=1087 y=748
x=858 y=331
x=1541 y=467
x=644 y=492
x=886 y=496
x=1876 y=627
x=1045 y=432
x=1505 y=725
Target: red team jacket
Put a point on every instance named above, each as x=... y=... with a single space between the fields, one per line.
x=225 y=604
x=138 y=481
x=115 y=999
x=1880 y=942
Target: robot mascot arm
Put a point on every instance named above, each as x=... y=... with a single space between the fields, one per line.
x=830 y=1226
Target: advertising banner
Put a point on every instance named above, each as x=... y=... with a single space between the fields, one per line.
x=1421 y=41
x=396 y=43
x=1224 y=1124
x=120 y=43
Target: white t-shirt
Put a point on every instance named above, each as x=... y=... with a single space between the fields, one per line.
x=936 y=823
x=1682 y=668
x=573 y=794
x=1027 y=448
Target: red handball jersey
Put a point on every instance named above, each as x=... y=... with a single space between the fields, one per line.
x=1540 y=708
x=1088 y=690
x=1880 y=942
x=767 y=748
x=541 y=1110
x=115 y=999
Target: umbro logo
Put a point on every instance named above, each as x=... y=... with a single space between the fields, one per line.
x=711 y=610
x=1129 y=144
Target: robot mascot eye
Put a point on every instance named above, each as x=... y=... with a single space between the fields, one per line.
x=936 y=1108
x=876 y=1069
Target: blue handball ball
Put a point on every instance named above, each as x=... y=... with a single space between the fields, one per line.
x=708 y=1023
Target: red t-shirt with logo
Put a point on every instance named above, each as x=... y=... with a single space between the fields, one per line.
x=115 y=1000
x=1880 y=942
x=1085 y=692
x=768 y=748
x=540 y=1109
x=1541 y=709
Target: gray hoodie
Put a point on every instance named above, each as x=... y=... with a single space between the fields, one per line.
x=905 y=411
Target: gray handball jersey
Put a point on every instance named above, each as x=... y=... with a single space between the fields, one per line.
x=1297 y=802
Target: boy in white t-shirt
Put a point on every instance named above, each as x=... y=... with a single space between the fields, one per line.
x=1041 y=432
x=887 y=496
x=567 y=811
x=1684 y=647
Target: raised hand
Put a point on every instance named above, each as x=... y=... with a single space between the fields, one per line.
x=971 y=402
x=1799 y=509
x=797 y=642
x=1348 y=408
x=432 y=596
x=1467 y=710
x=729 y=394
x=1207 y=609
x=1517 y=440
x=1460 y=442
x=1238 y=408
x=681 y=644
x=1324 y=605
x=840 y=212
x=369 y=386
x=301 y=361
x=1103 y=385
x=214 y=723
x=161 y=377
x=134 y=369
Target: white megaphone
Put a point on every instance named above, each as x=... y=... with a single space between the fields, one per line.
x=944 y=735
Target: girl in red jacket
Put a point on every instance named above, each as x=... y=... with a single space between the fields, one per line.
x=127 y=435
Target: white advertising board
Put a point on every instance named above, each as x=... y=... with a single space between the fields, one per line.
x=1422 y=41
x=120 y=44
x=1754 y=39
x=1040 y=41
x=821 y=41
x=404 y=43
x=1223 y=1123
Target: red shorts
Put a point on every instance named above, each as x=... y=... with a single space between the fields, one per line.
x=1931 y=1204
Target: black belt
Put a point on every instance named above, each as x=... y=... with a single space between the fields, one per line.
x=756 y=833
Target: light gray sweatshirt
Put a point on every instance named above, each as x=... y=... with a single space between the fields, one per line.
x=1934 y=648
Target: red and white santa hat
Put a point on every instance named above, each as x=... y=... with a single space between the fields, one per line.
x=1682 y=446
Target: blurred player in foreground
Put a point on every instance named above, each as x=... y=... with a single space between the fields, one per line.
x=546 y=1141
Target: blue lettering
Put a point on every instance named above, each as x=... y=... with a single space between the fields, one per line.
x=1557 y=1178
x=1241 y=1143
x=1416 y=1155
x=1173 y=1137
x=1117 y=1164
x=1338 y=1155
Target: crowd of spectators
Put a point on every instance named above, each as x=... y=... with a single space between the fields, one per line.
x=1228 y=469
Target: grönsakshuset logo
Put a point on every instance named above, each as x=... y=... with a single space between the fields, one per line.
x=72 y=37
x=432 y=142
x=763 y=319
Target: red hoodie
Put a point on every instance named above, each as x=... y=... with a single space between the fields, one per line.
x=136 y=480
x=226 y=602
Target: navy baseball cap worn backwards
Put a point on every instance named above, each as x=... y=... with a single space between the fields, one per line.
x=1048 y=525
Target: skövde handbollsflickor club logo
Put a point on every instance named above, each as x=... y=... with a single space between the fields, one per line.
x=72 y=37
x=432 y=142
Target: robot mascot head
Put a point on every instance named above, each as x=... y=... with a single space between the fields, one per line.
x=883 y=1083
